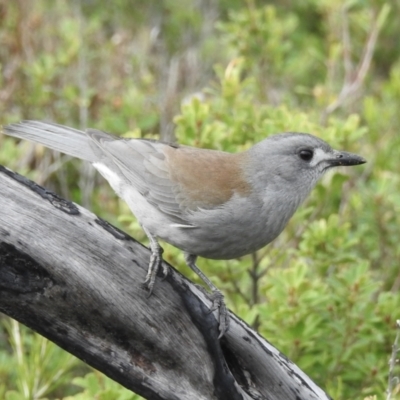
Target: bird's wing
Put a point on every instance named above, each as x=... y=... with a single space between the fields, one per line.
x=177 y=180
x=143 y=165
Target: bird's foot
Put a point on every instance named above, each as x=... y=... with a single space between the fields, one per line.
x=155 y=262
x=223 y=316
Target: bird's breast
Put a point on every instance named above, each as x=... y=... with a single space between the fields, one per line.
x=240 y=227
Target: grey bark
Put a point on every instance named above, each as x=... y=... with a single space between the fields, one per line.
x=76 y=280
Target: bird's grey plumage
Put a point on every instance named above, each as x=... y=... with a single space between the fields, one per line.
x=57 y=137
x=207 y=203
x=142 y=164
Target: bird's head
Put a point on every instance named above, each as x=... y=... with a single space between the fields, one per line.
x=295 y=161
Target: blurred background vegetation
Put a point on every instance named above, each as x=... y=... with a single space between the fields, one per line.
x=225 y=74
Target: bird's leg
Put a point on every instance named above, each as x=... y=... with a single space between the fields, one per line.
x=217 y=297
x=155 y=262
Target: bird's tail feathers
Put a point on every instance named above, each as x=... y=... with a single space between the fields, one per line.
x=57 y=137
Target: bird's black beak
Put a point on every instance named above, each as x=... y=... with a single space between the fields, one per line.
x=346 y=159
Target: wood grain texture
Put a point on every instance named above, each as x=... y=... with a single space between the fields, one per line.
x=76 y=280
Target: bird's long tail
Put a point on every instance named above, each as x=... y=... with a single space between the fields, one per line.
x=57 y=137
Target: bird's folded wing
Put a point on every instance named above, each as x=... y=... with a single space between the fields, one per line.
x=142 y=162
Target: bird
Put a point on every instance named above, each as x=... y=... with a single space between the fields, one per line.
x=207 y=203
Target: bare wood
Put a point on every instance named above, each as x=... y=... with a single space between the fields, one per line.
x=355 y=75
x=76 y=280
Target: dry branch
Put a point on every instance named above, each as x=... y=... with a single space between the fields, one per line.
x=76 y=280
x=354 y=76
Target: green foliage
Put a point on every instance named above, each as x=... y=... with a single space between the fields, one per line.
x=98 y=386
x=331 y=310
x=39 y=366
x=326 y=291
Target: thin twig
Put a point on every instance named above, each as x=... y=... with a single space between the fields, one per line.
x=354 y=79
x=393 y=380
x=236 y=286
x=347 y=62
x=255 y=277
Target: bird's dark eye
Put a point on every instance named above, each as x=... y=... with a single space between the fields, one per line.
x=306 y=154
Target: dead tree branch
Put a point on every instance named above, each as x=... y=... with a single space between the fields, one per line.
x=76 y=280
x=354 y=76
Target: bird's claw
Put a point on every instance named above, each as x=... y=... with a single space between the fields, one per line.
x=165 y=270
x=154 y=265
x=218 y=303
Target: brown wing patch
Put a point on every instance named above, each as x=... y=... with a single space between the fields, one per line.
x=206 y=178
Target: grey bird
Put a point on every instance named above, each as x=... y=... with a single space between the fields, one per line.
x=207 y=203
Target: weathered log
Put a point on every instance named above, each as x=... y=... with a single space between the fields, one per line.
x=76 y=280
